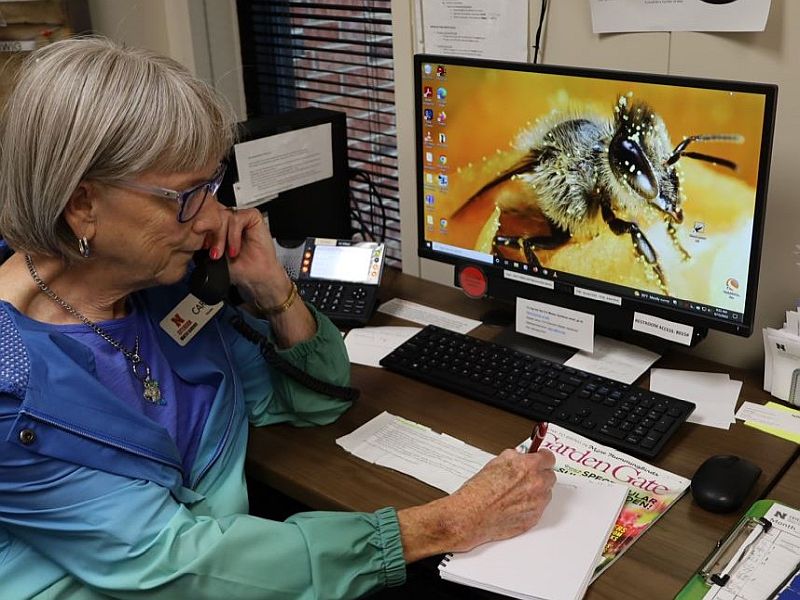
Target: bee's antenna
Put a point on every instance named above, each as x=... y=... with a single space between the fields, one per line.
x=721 y=137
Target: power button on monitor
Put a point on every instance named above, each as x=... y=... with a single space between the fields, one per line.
x=473 y=281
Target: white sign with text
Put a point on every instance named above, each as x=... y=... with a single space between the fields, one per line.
x=555 y=324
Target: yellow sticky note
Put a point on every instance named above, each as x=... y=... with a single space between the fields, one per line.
x=787 y=435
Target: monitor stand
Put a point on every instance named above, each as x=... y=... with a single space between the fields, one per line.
x=534 y=346
x=520 y=342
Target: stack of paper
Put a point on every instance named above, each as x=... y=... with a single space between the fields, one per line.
x=773 y=418
x=553 y=561
x=782 y=359
x=368 y=345
x=715 y=394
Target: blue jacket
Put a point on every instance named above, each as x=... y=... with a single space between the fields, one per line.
x=93 y=500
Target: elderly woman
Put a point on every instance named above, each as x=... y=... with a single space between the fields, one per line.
x=121 y=449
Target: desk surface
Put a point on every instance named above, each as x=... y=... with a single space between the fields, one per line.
x=787 y=489
x=307 y=465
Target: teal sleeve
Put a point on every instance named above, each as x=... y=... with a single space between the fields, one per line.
x=129 y=539
x=271 y=396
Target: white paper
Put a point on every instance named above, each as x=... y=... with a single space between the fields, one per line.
x=368 y=345
x=614 y=359
x=767 y=562
x=554 y=559
x=476 y=28
x=555 y=323
x=772 y=417
x=276 y=163
x=668 y=330
x=434 y=458
x=609 y=16
x=782 y=357
x=715 y=394
x=792 y=322
x=418 y=313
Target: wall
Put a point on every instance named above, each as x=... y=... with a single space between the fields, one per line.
x=203 y=35
x=770 y=56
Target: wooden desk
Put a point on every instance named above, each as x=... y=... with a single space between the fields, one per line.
x=787 y=489
x=307 y=465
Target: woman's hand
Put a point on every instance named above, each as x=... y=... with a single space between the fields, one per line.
x=504 y=499
x=244 y=237
x=253 y=263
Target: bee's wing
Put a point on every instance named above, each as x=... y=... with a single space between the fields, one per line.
x=525 y=165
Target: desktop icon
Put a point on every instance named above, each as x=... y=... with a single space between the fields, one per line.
x=429 y=199
x=429 y=219
x=442 y=118
x=428 y=112
x=441 y=93
x=429 y=178
x=732 y=288
x=443 y=223
x=442 y=159
x=443 y=180
x=429 y=157
x=441 y=70
x=442 y=138
x=429 y=137
x=427 y=92
x=427 y=68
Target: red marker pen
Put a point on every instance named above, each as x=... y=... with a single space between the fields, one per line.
x=539 y=431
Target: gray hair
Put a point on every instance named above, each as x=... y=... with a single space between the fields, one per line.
x=92 y=109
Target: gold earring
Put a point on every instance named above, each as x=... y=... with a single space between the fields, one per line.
x=83 y=247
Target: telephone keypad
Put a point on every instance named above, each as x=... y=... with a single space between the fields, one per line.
x=346 y=304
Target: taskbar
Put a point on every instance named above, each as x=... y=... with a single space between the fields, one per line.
x=610 y=293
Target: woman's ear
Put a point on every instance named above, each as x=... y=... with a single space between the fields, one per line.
x=79 y=212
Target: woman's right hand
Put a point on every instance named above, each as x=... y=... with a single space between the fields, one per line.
x=504 y=499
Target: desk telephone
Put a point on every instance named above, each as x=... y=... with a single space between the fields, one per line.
x=339 y=277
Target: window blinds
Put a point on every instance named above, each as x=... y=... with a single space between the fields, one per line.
x=334 y=55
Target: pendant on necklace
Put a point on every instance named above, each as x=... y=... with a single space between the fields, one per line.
x=152 y=391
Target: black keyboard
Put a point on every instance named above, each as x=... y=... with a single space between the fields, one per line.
x=626 y=417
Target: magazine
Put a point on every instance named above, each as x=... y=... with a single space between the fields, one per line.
x=651 y=491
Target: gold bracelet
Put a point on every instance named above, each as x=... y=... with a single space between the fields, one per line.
x=280 y=308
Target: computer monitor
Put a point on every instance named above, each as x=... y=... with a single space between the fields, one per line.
x=613 y=193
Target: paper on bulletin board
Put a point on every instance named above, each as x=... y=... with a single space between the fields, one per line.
x=613 y=16
x=273 y=164
x=475 y=28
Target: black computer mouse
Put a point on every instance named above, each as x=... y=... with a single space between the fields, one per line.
x=722 y=483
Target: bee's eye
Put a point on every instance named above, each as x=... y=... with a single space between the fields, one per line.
x=629 y=162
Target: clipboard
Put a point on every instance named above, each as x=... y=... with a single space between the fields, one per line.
x=720 y=565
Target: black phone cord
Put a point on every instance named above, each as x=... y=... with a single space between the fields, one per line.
x=271 y=356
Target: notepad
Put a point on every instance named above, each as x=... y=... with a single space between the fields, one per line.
x=554 y=560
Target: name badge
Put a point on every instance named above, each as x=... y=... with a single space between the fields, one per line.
x=184 y=321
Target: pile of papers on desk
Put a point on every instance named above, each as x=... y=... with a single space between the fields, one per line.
x=714 y=394
x=446 y=463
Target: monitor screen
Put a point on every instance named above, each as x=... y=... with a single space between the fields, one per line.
x=630 y=192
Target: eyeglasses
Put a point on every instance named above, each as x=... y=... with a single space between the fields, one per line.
x=189 y=201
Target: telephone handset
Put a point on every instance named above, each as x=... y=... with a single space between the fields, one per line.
x=210 y=282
